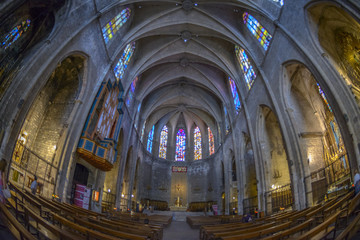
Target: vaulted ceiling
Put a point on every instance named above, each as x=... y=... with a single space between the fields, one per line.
x=184 y=56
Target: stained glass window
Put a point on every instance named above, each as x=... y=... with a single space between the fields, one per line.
x=137 y=114
x=180 y=145
x=197 y=144
x=281 y=2
x=261 y=34
x=323 y=97
x=15 y=33
x=124 y=61
x=131 y=92
x=227 y=124
x=246 y=66
x=110 y=29
x=235 y=95
x=211 y=142
x=163 y=142
x=143 y=131
x=150 y=139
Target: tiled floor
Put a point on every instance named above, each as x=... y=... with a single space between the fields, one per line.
x=180 y=230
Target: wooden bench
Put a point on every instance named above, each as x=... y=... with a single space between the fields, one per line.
x=259 y=233
x=49 y=230
x=207 y=230
x=88 y=232
x=291 y=231
x=350 y=209
x=153 y=231
x=18 y=230
x=109 y=231
x=13 y=203
x=321 y=230
x=350 y=230
x=234 y=232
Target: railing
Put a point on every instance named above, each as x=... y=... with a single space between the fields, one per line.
x=281 y=198
x=31 y=164
x=250 y=205
x=326 y=182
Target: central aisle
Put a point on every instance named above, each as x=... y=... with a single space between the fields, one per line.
x=180 y=230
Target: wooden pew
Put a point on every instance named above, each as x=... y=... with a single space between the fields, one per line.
x=88 y=232
x=259 y=233
x=109 y=231
x=235 y=232
x=207 y=230
x=351 y=208
x=154 y=231
x=291 y=231
x=55 y=231
x=13 y=203
x=18 y=230
x=322 y=229
x=350 y=230
x=334 y=207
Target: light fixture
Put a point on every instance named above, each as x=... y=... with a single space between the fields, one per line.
x=122 y=195
x=132 y=195
x=109 y=190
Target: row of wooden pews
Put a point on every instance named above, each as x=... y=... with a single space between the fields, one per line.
x=36 y=217
x=317 y=222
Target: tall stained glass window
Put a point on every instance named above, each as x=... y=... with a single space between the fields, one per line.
x=246 y=66
x=130 y=96
x=110 y=29
x=197 y=144
x=281 y=2
x=323 y=96
x=142 y=132
x=235 y=95
x=211 y=142
x=180 y=145
x=163 y=142
x=15 y=33
x=124 y=60
x=261 y=34
x=150 y=139
x=227 y=124
x=137 y=115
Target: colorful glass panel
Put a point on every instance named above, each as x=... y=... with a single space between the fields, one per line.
x=197 y=144
x=235 y=95
x=211 y=142
x=180 y=145
x=227 y=124
x=124 y=60
x=261 y=34
x=15 y=33
x=246 y=66
x=130 y=96
x=110 y=29
x=163 y=142
x=142 y=132
x=150 y=139
x=324 y=97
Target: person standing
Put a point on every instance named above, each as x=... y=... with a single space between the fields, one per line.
x=33 y=186
x=3 y=183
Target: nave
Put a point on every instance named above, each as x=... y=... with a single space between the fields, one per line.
x=29 y=216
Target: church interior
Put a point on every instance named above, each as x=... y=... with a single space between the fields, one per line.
x=136 y=116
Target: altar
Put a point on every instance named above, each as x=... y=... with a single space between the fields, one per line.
x=178 y=200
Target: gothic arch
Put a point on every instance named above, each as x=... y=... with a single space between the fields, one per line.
x=336 y=32
x=43 y=132
x=274 y=160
